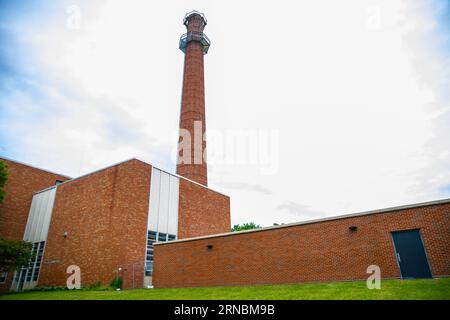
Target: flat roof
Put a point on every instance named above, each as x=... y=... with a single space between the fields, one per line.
x=28 y=165
x=121 y=162
x=287 y=225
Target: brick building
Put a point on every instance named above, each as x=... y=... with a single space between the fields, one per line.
x=23 y=181
x=106 y=222
x=411 y=241
x=147 y=226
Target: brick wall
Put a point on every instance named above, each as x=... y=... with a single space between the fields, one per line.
x=23 y=181
x=105 y=215
x=323 y=251
x=202 y=211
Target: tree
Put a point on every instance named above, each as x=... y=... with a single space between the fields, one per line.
x=3 y=179
x=14 y=254
x=245 y=226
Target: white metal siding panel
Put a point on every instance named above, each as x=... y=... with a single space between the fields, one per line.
x=40 y=216
x=163 y=213
x=163 y=206
x=37 y=228
x=154 y=200
x=173 y=209
x=34 y=217
x=48 y=215
x=30 y=218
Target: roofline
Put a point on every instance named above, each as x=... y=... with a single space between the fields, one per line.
x=294 y=224
x=85 y=175
x=46 y=189
x=35 y=167
x=124 y=161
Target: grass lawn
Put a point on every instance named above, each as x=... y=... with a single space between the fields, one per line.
x=390 y=289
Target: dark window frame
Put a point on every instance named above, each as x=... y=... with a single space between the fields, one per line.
x=3 y=277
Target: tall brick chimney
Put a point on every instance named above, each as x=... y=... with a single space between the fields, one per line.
x=192 y=144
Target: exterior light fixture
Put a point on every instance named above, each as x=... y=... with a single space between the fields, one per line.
x=65 y=234
x=353 y=228
x=209 y=246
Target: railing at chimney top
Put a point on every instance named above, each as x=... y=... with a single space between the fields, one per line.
x=195 y=36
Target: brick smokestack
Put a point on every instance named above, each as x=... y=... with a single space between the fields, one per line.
x=192 y=144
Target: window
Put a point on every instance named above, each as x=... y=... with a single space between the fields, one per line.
x=3 y=276
x=162 y=237
x=38 y=262
x=31 y=272
x=152 y=237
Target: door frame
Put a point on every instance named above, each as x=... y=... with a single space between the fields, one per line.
x=423 y=245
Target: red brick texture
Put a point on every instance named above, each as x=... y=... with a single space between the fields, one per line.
x=105 y=215
x=202 y=211
x=23 y=181
x=193 y=106
x=321 y=251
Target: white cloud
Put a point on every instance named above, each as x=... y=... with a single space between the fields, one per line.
x=362 y=113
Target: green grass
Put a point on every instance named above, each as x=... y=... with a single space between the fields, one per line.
x=390 y=289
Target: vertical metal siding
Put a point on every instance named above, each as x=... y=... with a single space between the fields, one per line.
x=172 y=225
x=40 y=216
x=154 y=200
x=163 y=213
x=163 y=206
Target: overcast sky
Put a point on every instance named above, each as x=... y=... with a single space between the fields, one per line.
x=349 y=100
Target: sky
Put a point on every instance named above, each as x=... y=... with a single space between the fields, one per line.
x=314 y=108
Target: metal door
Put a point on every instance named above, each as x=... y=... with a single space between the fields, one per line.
x=411 y=256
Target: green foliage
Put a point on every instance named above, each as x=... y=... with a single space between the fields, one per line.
x=277 y=224
x=245 y=226
x=117 y=283
x=93 y=287
x=45 y=289
x=96 y=288
x=14 y=254
x=96 y=285
x=3 y=179
x=433 y=289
